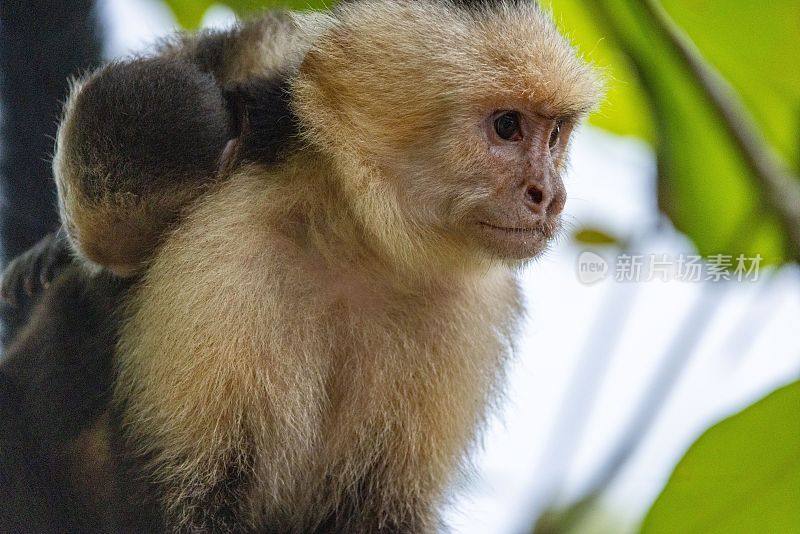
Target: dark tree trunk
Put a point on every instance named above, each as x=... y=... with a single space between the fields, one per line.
x=42 y=44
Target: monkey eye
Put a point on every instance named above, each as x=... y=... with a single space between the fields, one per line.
x=555 y=135
x=507 y=127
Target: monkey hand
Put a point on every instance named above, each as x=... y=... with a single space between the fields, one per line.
x=31 y=272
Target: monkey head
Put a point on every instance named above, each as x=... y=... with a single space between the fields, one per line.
x=450 y=123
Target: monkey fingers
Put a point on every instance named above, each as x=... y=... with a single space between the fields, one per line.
x=31 y=272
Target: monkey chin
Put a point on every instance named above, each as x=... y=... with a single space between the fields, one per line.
x=515 y=243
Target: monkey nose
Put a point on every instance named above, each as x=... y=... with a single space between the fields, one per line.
x=537 y=198
x=541 y=199
x=534 y=195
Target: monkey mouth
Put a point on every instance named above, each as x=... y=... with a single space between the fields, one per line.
x=516 y=242
x=545 y=230
x=512 y=229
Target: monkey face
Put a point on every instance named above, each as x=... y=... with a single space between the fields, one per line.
x=491 y=183
x=451 y=133
x=517 y=166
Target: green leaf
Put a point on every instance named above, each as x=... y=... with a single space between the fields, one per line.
x=248 y=7
x=754 y=45
x=741 y=476
x=595 y=236
x=189 y=13
x=704 y=185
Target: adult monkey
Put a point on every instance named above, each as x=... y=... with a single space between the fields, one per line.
x=320 y=309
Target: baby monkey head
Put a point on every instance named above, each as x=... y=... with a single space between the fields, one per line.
x=449 y=122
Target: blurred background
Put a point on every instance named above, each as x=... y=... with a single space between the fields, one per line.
x=671 y=303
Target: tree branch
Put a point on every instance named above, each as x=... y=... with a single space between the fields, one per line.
x=780 y=187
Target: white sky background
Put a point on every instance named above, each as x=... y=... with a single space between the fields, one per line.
x=611 y=185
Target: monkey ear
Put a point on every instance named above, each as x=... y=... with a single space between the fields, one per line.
x=263 y=121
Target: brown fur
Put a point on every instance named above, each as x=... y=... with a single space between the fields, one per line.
x=90 y=469
x=322 y=338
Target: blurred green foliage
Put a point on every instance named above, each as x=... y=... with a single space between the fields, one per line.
x=741 y=476
x=704 y=186
x=754 y=45
x=189 y=13
x=595 y=237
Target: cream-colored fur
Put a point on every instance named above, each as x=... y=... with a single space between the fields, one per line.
x=325 y=370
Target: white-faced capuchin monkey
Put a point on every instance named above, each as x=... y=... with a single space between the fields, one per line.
x=293 y=291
